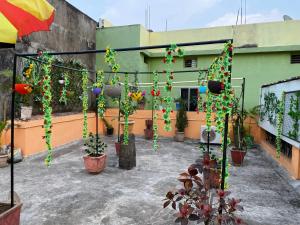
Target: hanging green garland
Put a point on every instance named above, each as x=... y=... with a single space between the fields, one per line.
x=169 y=59
x=294 y=113
x=279 y=125
x=101 y=98
x=63 y=97
x=46 y=101
x=201 y=82
x=126 y=109
x=110 y=58
x=85 y=104
x=155 y=92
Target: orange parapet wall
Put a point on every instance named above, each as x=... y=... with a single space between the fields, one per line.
x=68 y=128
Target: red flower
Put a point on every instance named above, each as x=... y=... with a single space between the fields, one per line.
x=224 y=108
x=172 y=111
x=163 y=110
x=164 y=60
x=222 y=68
x=226 y=74
x=239 y=221
x=173 y=60
x=169 y=52
x=221 y=193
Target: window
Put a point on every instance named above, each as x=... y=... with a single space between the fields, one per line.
x=190 y=95
x=295 y=59
x=190 y=63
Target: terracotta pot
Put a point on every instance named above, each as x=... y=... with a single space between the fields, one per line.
x=8 y=215
x=130 y=126
x=26 y=112
x=179 y=136
x=3 y=160
x=118 y=147
x=149 y=124
x=95 y=164
x=112 y=91
x=237 y=156
x=148 y=134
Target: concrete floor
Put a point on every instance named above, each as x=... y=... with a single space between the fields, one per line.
x=65 y=194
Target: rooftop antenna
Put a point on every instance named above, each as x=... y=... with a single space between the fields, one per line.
x=146 y=17
x=245 y=11
x=237 y=17
x=241 y=11
x=149 y=21
x=166 y=24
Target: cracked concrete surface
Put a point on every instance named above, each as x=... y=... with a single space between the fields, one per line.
x=65 y=194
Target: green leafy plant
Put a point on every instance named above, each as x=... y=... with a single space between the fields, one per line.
x=279 y=124
x=294 y=113
x=110 y=59
x=101 y=99
x=85 y=97
x=181 y=117
x=63 y=97
x=155 y=92
x=270 y=108
x=94 y=146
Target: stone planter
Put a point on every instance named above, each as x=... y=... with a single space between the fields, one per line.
x=113 y=91
x=26 y=112
x=3 y=160
x=237 y=156
x=127 y=155
x=95 y=165
x=8 y=215
x=130 y=126
x=179 y=136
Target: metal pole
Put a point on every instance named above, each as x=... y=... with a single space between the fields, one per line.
x=12 y=142
x=208 y=141
x=139 y=48
x=243 y=100
x=97 y=121
x=119 y=116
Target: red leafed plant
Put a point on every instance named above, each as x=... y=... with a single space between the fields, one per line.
x=195 y=202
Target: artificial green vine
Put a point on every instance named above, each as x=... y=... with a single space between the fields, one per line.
x=110 y=58
x=46 y=100
x=270 y=108
x=63 y=97
x=169 y=59
x=201 y=82
x=126 y=109
x=155 y=92
x=294 y=113
x=85 y=104
x=101 y=98
x=279 y=124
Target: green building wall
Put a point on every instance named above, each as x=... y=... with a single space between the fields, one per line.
x=262 y=53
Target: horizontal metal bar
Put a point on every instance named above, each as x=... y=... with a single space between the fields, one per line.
x=222 y=41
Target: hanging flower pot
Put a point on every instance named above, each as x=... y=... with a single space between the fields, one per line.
x=113 y=91
x=216 y=87
x=96 y=91
x=202 y=89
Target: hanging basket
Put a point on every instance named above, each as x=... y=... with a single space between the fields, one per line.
x=215 y=87
x=113 y=91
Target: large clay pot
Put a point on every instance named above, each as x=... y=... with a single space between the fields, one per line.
x=179 y=136
x=237 y=156
x=3 y=160
x=95 y=164
x=113 y=91
x=118 y=147
x=130 y=126
x=26 y=112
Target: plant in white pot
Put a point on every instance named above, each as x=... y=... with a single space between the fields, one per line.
x=181 y=121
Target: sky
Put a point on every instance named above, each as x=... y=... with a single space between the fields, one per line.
x=185 y=14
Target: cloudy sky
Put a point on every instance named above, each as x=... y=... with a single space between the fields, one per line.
x=182 y=14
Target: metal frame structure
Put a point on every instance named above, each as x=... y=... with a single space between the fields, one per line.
x=140 y=48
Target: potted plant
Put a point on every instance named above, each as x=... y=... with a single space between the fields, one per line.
x=238 y=151
x=113 y=91
x=24 y=90
x=95 y=160
x=109 y=127
x=196 y=202
x=131 y=109
x=3 y=152
x=149 y=129
x=10 y=215
x=181 y=122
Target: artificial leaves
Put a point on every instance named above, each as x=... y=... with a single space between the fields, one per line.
x=169 y=59
x=126 y=109
x=101 y=98
x=270 y=108
x=294 y=113
x=110 y=58
x=201 y=83
x=279 y=124
x=85 y=104
x=63 y=97
x=155 y=92
x=46 y=101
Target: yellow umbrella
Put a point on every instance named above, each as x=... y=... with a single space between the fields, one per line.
x=22 y=17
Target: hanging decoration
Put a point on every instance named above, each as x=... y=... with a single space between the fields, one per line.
x=294 y=113
x=155 y=92
x=85 y=104
x=126 y=109
x=46 y=101
x=23 y=89
x=27 y=70
x=110 y=58
x=63 y=97
x=169 y=59
x=279 y=124
x=101 y=99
